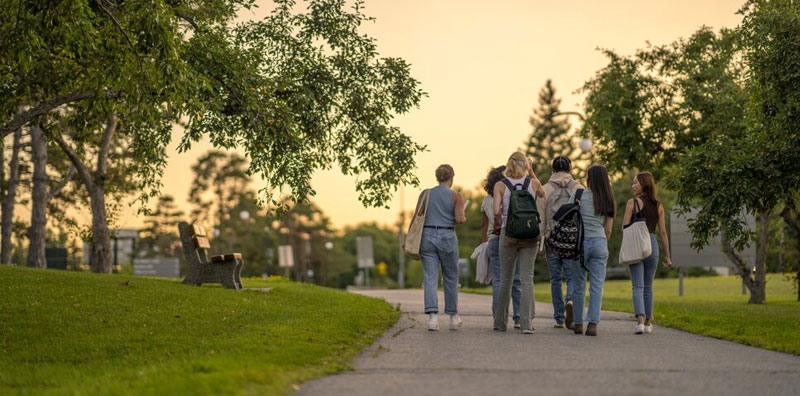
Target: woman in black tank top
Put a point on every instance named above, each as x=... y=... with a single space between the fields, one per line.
x=643 y=273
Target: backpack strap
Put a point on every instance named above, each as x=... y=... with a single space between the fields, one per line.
x=526 y=184
x=578 y=195
x=508 y=184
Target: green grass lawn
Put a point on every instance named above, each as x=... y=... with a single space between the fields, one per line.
x=712 y=306
x=79 y=333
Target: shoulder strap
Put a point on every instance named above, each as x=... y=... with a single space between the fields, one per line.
x=637 y=212
x=426 y=199
x=526 y=184
x=578 y=195
x=508 y=184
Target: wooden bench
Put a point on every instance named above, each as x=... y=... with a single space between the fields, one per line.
x=225 y=269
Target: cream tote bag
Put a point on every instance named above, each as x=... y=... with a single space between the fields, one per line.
x=635 y=239
x=414 y=237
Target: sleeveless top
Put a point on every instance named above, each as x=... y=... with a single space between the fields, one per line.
x=593 y=225
x=650 y=213
x=441 y=209
x=507 y=196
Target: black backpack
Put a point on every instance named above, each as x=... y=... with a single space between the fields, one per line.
x=566 y=238
x=522 y=218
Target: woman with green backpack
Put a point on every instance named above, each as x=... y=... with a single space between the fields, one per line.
x=516 y=216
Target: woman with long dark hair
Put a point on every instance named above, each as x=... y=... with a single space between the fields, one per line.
x=642 y=273
x=598 y=207
x=487 y=235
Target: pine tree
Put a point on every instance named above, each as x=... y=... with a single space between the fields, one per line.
x=550 y=136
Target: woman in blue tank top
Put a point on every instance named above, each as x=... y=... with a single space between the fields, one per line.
x=445 y=209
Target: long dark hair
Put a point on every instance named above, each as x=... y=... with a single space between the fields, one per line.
x=649 y=189
x=494 y=176
x=603 y=194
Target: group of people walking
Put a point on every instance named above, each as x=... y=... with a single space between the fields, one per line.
x=523 y=217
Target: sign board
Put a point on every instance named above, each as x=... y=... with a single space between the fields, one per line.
x=160 y=267
x=56 y=258
x=366 y=258
x=285 y=256
x=683 y=255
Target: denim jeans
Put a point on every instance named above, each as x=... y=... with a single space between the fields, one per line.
x=440 y=247
x=511 y=257
x=642 y=275
x=595 y=252
x=494 y=266
x=559 y=267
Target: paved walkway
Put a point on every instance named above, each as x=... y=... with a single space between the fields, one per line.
x=409 y=360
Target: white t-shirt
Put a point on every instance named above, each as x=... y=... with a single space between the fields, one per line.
x=507 y=196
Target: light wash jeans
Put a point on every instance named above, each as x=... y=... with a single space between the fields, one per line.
x=511 y=257
x=595 y=252
x=440 y=247
x=494 y=266
x=559 y=267
x=642 y=275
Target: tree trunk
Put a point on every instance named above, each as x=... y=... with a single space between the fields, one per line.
x=100 y=258
x=792 y=220
x=36 y=257
x=9 y=200
x=759 y=293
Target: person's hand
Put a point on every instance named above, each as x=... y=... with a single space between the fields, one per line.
x=667 y=262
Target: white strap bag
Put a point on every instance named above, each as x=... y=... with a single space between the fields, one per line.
x=414 y=237
x=636 y=244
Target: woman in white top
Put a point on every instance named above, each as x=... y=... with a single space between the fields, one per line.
x=518 y=172
x=493 y=253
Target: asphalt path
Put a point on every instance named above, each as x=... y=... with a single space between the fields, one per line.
x=475 y=360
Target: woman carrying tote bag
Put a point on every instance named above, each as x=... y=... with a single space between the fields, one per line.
x=437 y=244
x=647 y=207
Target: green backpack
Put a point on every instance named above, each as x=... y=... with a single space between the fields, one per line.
x=522 y=217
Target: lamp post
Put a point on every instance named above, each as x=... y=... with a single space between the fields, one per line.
x=585 y=144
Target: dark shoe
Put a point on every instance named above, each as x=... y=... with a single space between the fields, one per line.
x=578 y=328
x=591 y=329
x=568 y=321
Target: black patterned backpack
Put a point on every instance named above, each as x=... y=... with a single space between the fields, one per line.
x=566 y=238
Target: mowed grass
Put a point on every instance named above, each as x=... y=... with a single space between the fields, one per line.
x=78 y=333
x=712 y=306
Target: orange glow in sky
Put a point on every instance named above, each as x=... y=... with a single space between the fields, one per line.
x=482 y=64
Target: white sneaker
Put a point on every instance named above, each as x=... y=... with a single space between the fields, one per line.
x=648 y=329
x=528 y=331
x=639 y=328
x=455 y=322
x=433 y=322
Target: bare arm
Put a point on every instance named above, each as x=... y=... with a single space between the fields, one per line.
x=608 y=225
x=459 y=209
x=626 y=219
x=662 y=230
x=484 y=228
x=535 y=183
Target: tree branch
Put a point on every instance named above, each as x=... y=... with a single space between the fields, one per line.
x=115 y=21
x=26 y=116
x=188 y=19
x=83 y=171
x=741 y=267
x=105 y=144
x=794 y=224
x=57 y=191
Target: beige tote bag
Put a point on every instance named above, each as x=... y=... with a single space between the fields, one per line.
x=414 y=237
x=635 y=239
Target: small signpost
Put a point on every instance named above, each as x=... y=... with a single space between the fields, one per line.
x=162 y=267
x=56 y=258
x=463 y=271
x=286 y=258
x=366 y=257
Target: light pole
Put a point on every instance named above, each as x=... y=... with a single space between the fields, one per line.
x=585 y=144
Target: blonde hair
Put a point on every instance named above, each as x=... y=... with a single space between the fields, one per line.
x=517 y=166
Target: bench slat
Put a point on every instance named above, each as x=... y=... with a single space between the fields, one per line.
x=198 y=230
x=201 y=242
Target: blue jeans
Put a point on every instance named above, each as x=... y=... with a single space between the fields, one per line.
x=642 y=275
x=494 y=266
x=595 y=252
x=558 y=267
x=440 y=247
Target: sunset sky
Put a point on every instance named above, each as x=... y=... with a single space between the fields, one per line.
x=482 y=64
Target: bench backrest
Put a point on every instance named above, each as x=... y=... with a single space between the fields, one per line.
x=194 y=241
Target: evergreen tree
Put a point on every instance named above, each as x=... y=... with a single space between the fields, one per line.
x=550 y=136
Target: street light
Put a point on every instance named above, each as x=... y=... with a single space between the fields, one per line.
x=585 y=144
x=329 y=245
x=244 y=215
